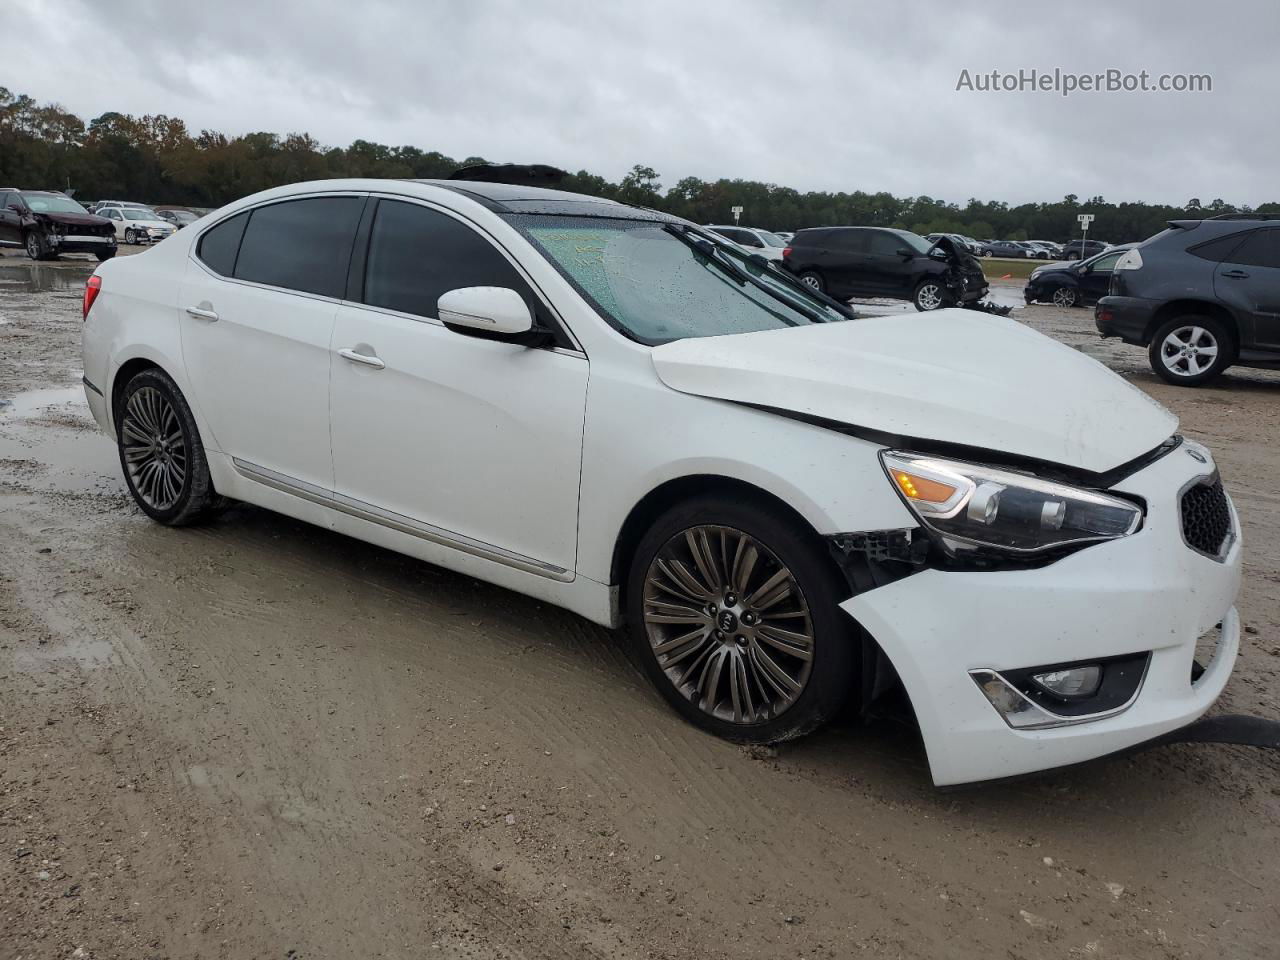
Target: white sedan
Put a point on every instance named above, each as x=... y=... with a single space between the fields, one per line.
x=138 y=224
x=598 y=405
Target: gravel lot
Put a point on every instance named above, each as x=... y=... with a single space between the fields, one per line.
x=258 y=739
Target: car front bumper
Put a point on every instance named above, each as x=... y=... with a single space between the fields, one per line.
x=1146 y=593
x=1128 y=318
x=80 y=243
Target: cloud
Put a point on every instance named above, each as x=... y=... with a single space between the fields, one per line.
x=815 y=94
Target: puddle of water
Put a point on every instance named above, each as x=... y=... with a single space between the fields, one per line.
x=66 y=455
x=29 y=277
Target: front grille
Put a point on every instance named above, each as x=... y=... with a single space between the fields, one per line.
x=1206 y=517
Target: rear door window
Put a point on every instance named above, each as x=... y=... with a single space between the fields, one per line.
x=1220 y=249
x=416 y=254
x=883 y=244
x=1260 y=249
x=219 y=246
x=851 y=241
x=302 y=245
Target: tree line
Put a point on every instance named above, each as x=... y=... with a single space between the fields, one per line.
x=156 y=159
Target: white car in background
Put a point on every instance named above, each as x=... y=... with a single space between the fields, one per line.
x=598 y=405
x=752 y=239
x=137 y=224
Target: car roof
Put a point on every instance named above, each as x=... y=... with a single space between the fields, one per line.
x=514 y=198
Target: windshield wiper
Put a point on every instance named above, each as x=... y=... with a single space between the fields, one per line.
x=775 y=269
x=711 y=250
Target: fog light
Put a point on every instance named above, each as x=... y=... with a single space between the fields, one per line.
x=1073 y=684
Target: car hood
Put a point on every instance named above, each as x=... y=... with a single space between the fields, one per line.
x=147 y=223
x=955 y=376
x=76 y=219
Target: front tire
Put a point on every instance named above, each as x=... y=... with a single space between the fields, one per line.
x=929 y=295
x=130 y=236
x=1191 y=350
x=161 y=454
x=733 y=612
x=35 y=246
x=1064 y=297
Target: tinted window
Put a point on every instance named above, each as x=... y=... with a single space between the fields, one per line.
x=417 y=254
x=1260 y=249
x=6 y=199
x=219 y=246
x=1220 y=249
x=301 y=244
x=850 y=241
x=885 y=244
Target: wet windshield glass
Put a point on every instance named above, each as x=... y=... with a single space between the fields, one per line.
x=917 y=243
x=47 y=203
x=656 y=288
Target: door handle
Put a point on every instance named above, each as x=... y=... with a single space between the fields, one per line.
x=1235 y=274
x=201 y=314
x=361 y=358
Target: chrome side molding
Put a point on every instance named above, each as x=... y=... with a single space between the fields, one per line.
x=397 y=521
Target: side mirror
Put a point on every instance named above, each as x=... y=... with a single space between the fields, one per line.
x=904 y=252
x=491 y=313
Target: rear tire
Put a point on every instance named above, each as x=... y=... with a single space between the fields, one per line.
x=811 y=278
x=1191 y=349
x=733 y=686
x=161 y=454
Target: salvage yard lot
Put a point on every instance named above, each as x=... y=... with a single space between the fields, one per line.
x=257 y=739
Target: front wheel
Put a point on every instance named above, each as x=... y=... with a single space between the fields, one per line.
x=1064 y=297
x=160 y=451
x=1190 y=350
x=35 y=246
x=929 y=295
x=130 y=236
x=733 y=612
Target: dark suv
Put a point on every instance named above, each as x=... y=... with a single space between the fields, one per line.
x=47 y=223
x=1201 y=295
x=846 y=262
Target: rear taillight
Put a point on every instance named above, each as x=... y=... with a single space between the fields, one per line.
x=786 y=253
x=91 y=289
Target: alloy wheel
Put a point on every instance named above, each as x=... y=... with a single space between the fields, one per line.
x=1189 y=351
x=155 y=451
x=1064 y=297
x=728 y=624
x=810 y=281
x=929 y=297
x=130 y=237
x=33 y=246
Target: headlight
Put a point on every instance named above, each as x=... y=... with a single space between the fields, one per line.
x=970 y=505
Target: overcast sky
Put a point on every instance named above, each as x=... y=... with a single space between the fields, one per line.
x=815 y=94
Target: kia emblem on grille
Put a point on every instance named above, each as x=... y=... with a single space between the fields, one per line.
x=1197 y=455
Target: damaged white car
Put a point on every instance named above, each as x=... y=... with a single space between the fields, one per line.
x=786 y=506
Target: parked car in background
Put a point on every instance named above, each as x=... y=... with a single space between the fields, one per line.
x=846 y=262
x=1201 y=296
x=1073 y=284
x=757 y=241
x=104 y=204
x=179 y=218
x=1004 y=248
x=969 y=243
x=1054 y=249
x=138 y=224
x=49 y=223
x=789 y=509
x=1036 y=250
x=1082 y=249
x=784 y=234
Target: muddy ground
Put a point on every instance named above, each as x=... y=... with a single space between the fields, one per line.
x=259 y=739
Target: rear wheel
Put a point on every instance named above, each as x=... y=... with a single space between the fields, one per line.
x=734 y=614
x=161 y=453
x=1191 y=350
x=1072 y=256
x=813 y=279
